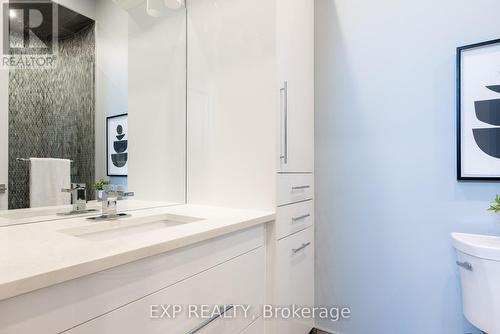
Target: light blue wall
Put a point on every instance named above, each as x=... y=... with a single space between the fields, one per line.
x=387 y=195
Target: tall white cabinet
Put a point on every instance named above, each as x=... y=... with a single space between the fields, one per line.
x=292 y=255
x=251 y=129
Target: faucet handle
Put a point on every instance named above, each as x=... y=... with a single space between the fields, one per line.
x=116 y=191
x=123 y=194
x=74 y=186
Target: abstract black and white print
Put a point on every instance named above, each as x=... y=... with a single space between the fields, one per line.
x=479 y=111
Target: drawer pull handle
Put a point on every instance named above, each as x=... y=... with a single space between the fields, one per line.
x=465 y=265
x=304 y=246
x=296 y=219
x=301 y=187
x=209 y=321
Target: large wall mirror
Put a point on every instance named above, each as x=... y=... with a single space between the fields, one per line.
x=110 y=112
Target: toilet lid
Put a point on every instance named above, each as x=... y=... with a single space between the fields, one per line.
x=481 y=246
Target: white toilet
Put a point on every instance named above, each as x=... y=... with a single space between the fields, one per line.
x=479 y=264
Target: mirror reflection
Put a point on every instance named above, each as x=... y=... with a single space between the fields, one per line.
x=110 y=105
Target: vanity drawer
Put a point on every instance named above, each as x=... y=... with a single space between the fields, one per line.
x=240 y=281
x=294 y=218
x=293 y=188
x=294 y=279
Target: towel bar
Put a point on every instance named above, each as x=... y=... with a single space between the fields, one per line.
x=27 y=160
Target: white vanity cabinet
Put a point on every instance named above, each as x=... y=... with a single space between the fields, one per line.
x=227 y=270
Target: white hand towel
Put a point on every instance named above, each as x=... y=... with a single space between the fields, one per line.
x=47 y=178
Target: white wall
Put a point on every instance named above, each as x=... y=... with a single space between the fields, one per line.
x=157 y=105
x=387 y=195
x=111 y=74
x=232 y=92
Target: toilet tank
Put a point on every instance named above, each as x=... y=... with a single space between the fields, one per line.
x=480 y=281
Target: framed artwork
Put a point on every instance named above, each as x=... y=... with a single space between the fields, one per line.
x=117 y=145
x=478 y=112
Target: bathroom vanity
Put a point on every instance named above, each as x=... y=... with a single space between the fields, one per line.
x=76 y=276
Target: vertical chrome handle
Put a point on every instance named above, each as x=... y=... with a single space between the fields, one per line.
x=3 y=188
x=284 y=123
x=212 y=319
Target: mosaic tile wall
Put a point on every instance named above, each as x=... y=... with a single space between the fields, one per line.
x=51 y=115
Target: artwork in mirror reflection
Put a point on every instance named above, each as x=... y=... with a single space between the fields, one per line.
x=117 y=133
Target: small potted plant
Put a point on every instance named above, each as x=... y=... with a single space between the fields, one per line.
x=99 y=188
x=495 y=205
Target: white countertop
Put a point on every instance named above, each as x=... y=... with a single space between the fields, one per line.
x=34 y=256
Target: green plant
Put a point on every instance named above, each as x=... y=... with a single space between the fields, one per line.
x=495 y=206
x=100 y=185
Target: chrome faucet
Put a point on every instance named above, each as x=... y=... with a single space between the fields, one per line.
x=78 y=196
x=78 y=199
x=110 y=198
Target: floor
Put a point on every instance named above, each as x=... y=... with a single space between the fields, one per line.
x=317 y=331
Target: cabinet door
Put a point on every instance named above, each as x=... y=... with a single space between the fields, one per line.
x=294 y=281
x=295 y=52
x=240 y=281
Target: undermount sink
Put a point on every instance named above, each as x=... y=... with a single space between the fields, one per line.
x=127 y=227
x=478 y=260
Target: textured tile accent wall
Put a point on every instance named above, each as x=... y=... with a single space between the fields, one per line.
x=52 y=115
